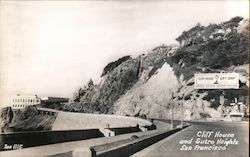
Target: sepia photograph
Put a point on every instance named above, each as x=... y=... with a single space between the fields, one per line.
x=120 y=78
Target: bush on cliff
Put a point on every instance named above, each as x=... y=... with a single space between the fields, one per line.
x=111 y=66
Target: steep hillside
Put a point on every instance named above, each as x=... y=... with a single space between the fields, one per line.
x=149 y=83
x=100 y=97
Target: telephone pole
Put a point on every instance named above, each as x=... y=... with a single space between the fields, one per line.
x=182 y=110
x=172 y=108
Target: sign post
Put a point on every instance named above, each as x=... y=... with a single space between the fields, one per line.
x=172 y=109
x=182 y=110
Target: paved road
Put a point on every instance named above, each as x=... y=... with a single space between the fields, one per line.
x=171 y=146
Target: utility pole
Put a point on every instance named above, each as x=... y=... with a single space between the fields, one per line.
x=182 y=110
x=172 y=108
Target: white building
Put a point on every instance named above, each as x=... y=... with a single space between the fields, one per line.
x=21 y=101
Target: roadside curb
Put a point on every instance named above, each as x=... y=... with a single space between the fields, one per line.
x=130 y=147
x=143 y=152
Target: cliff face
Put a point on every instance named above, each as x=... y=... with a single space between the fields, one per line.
x=151 y=97
x=149 y=83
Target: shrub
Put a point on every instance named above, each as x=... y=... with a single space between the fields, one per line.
x=212 y=94
x=215 y=104
x=187 y=97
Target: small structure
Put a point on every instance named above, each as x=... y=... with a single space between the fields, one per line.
x=22 y=101
x=236 y=116
x=238 y=110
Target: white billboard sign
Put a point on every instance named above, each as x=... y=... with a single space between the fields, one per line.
x=217 y=81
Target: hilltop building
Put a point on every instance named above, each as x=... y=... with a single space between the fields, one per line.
x=22 y=101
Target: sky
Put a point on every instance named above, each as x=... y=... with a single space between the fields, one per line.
x=51 y=48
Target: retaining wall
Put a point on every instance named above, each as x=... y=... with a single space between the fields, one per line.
x=78 y=121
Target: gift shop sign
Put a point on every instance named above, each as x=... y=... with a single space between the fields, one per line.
x=217 y=81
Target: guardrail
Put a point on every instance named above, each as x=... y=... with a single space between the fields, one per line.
x=123 y=148
x=132 y=146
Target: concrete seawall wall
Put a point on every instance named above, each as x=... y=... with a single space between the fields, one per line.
x=78 y=121
x=38 y=138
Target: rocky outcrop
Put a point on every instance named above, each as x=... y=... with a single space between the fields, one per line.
x=6 y=116
x=27 y=119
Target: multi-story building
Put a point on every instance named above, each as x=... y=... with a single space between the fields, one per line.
x=21 y=101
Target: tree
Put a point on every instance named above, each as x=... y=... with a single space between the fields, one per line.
x=90 y=83
x=232 y=23
x=191 y=35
